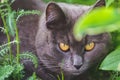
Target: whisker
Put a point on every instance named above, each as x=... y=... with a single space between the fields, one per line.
x=48 y=60
x=52 y=67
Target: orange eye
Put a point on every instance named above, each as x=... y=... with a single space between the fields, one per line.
x=90 y=46
x=64 y=47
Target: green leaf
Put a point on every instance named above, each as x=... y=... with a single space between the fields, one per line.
x=18 y=68
x=21 y=13
x=5 y=71
x=10 y=22
x=112 y=61
x=87 y=2
x=4 y=51
x=97 y=21
x=18 y=71
x=115 y=38
x=117 y=78
x=115 y=4
x=30 y=56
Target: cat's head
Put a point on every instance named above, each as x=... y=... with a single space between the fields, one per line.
x=56 y=46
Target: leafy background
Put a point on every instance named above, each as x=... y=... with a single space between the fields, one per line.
x=87 y=2
x=109 y=16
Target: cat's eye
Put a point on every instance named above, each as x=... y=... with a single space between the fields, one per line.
x=89 y=46
x=64 y=47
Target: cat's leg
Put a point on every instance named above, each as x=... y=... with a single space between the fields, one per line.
x=40 y=71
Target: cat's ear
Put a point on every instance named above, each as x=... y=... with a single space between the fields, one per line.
x=99 y=3
x=55 y=17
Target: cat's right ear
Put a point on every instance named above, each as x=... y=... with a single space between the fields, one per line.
x=55 y=17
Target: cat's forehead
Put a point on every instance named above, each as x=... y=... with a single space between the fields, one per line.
x=74 y=11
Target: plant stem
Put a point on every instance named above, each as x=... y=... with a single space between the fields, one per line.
x=17 y=38
x=8 y=37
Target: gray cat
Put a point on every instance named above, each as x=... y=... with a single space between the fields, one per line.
x=51 y=38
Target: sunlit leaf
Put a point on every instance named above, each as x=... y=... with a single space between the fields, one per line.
x=98 y=21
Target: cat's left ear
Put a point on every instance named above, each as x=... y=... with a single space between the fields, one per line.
x=55 y=17
x=99 y=3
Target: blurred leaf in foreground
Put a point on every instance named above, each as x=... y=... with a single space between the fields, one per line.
x=97 y=21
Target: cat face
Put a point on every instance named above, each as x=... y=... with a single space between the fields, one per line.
x=56 y=46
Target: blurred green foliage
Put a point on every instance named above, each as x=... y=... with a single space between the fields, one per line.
x=109 y=2
x=11 y=67
x=113 y=3
x=98 y=21
x=87 y=2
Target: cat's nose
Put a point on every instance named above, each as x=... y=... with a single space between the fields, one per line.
x=77 y=66
x=77 y=61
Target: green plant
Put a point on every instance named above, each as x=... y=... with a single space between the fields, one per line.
x=61 y=77
x=10 y=66
x=87 y=2
x=13 y=70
